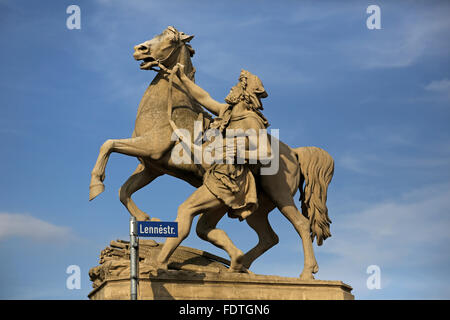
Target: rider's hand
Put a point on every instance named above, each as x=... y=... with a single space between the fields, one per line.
x=179 y=69
x=230 y=149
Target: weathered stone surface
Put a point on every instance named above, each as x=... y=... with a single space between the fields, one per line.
x=196 y=274
x=191 y=285
x=115 y=261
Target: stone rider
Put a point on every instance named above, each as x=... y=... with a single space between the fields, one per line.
x=232 y=184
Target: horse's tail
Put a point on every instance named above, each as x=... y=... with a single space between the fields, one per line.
x=317 y=168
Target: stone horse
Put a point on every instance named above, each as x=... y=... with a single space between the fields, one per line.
x=308 y=169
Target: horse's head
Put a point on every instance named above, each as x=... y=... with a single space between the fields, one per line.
x=162 y=49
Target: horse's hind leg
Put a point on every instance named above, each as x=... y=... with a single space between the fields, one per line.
x=282 y=197
x=206 y=230
x=259 y=222
x=302 y=226
x=141 y=177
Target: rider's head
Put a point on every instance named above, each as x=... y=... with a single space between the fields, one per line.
x=248 y=89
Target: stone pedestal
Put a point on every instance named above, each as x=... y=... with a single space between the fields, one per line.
x=211 y=286
x=198 y=275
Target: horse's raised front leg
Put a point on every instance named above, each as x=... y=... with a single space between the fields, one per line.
x=143 y=146
x=259 y=222
x=141 y=177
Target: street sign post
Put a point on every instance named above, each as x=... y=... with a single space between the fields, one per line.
x=158 y=229
x=134 y=259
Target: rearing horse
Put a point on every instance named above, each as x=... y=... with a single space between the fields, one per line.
x=308 y=169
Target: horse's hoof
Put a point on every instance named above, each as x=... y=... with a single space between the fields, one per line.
x=162 y=267
x=315 y=269
x=239 y=269
x=306 y=276
x=95 y=190
x=142 y=217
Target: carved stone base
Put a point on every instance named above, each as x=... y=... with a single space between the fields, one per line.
x=210 y=286
x=198 y=275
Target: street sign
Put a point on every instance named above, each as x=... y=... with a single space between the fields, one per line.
x=157 y=229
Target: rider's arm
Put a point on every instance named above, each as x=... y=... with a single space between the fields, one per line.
x=201 y=95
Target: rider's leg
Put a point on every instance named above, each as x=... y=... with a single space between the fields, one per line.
x=202 y=200
x=206 y=230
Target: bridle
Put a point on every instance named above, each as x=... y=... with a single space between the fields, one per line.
x=159 y=62
x=171 y=73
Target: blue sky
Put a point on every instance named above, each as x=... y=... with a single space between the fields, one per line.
x=377 y=100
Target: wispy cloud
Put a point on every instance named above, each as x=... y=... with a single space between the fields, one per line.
x=401 y=222
x=29 y=227
x=359 y=164
x=442 y=86
x=378 y=148
x=408 y=33
x=439 y=87
x=369 y=164
x=400 y=236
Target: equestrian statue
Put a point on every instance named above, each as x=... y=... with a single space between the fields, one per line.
x=237 y=181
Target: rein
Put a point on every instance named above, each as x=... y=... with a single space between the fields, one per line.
x=171 y=73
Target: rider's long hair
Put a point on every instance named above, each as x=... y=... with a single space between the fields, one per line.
x=317 y=168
